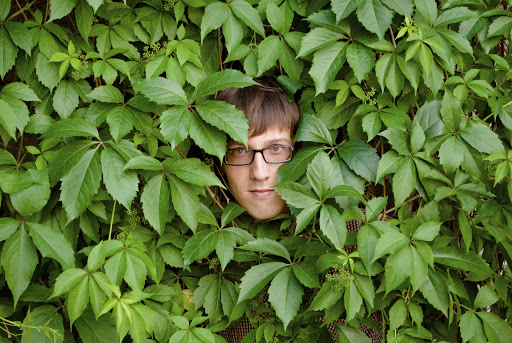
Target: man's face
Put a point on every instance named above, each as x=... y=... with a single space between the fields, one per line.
x=251 y=185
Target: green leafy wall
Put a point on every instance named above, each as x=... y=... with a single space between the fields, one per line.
x=115 y=223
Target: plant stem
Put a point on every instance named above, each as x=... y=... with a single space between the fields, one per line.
x=112 y=220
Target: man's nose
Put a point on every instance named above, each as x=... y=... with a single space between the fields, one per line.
x=259 y=168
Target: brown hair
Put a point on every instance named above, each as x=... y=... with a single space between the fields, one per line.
x=264 y=105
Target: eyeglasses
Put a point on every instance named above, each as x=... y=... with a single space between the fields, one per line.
x=273 y=154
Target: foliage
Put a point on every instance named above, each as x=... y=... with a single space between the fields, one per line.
x=115 y=223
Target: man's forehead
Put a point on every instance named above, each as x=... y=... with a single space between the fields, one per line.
x=270 y=136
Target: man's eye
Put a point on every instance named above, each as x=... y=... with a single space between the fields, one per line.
x=276 y=148
x=240 y=151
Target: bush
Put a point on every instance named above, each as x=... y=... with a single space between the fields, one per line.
x=115 y=224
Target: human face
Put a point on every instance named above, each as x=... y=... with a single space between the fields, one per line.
x=251 y=185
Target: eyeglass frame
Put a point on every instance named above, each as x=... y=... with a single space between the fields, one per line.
x=262 y=154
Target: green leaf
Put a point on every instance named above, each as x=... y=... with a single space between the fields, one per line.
x=42 y=316
x=486 y=297
x=8 y=52
x=5 y=8
x=469 y=325
x=404 y=181
x=121 y=184
x=226 y=117
x=417 y=138
x=327 y=61
x=482 y=139
x=256 y=278
x=297 y=166
x=71 y=127
x=8 y=226
x=367 y=239
x=268 y=53
x=325 y=297
x=248 y=15
x=209 y=138
x=185 y=201
x=292 y=66
x=175 y=124
x=33 y=198
x=307 y=273
x=388 y=243
x=267 y=246
x=365 y=287
x=496 y=329
x=403 y=7
x=397 y=314
x=61 y=8
x=20 y=91
x=296 y=194
x=52 y=243
x=78 y=299
x=348 y=334
x=428 y=8
x=499 y=26
x=234 y=33
x=199 y=246
x=80 y=184
x=449 y=154
x=96 y=331
x=305 y=217
x=451 y=111
x=19 y=259
x=285 y=294
x=84 y=16
x=352 y=301
x=317 y=38
x=162 y=91
x=108 y=94
x=8 y=118
x=343 y=8
x=120 y=121
x=136 y=272
x=455 y=15
x=231 y=211
x=312 y=129
x=360 y=157
x=221 y=80
x=457 y=258
x=398 y=267
x=144 y=163
x=65 y=158
x=427 y=231
x=226 y=242
x=375 y=17
x=333 y=226
x=361 y=60
x=67 y=280
x=215 y=14
x=320 y=174
x=193 y=171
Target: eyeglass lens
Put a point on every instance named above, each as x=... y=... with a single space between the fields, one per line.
x=273 y=154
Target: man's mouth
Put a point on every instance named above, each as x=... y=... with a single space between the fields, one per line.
x=264 y=192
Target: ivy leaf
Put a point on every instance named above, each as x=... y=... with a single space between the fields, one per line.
x=397 y=268
x=121 y=184
x=317 y=38
x=496 y=329
x=193 y=171
x=80 y=184
x=350 y=334
x=397 y=314
x=296 y=194
x=267 y=246
x=215 y=14
x=455 y=15
x=389 y=243
x=67 y=280
x=65 y=158
x=256 y=278
x=427 y=231
x=19 y=259
x=333 y=226
x=185 y=201
x=312 y=129
x=343 y=8
x=8 y=226
x=449 y=154
x=457 y=258
x=292 y=170
x=225 y=117
x=375 y=17
x=78 y=299
x=307 y=273
x=361 y=60
x=120 y=121
x=451 y=111
x=226 y=242
x=8 y=52
x=320 y=174
x=435 y=291
x=162 y=91
x=61 y=8
x=482 y=139
x=327 y=61
x=84 y=16
x=243 y=10
x=499 y=26
x=404 y=181
x=7 y=118
x=71 y=127
x=52 y=243
x=221 y=80
x=33 y=198
x=486 y=297
x=209 y=138
x=285 y=295
x=108 y=94
x=292 y=65
x=233 y=33
x=268 y=53
x=175 y=124
x=199 y=246
x=360 y=157
x=20 y=35
x=469 y=325
x=20 y=91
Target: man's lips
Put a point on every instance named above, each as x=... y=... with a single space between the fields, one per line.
x=263 y=192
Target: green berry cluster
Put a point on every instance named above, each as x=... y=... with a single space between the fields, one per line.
x=208 y=161
x=369 y=100
x=340 y=278
x=168 y=5
x=133 y=219
x=80 y=74
x=213 y=263
x=150 y=52
x=121 y=236
x=259 y=299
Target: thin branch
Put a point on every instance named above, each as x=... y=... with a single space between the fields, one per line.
x=220 y=52
x=392 y=36
x=405 y=202
x=23 y=12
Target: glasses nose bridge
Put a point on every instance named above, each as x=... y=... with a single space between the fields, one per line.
x=254 y=151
